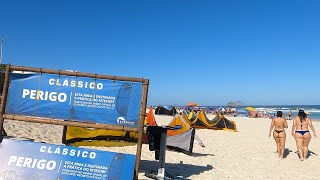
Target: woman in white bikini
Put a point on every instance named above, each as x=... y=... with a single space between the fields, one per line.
x=278 y=124
x=301 y=133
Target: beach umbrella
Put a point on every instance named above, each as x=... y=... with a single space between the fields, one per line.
x=192 y=104
x=250 y=109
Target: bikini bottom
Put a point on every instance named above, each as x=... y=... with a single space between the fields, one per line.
x=302 y=132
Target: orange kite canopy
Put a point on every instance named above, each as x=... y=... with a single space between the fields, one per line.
x=192 y=104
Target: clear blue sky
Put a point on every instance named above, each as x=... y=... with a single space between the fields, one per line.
x=210 y=52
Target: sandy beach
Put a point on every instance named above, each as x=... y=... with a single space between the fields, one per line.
x=246 y=154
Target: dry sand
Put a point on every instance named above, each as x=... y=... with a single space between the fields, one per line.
x=247 y=154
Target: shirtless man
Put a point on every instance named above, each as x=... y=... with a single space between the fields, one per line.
x=290 y=114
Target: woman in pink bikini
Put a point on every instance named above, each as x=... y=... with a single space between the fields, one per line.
x=301 y=133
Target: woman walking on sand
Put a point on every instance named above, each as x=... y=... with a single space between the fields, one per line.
x=301 y=133
x=278 y=124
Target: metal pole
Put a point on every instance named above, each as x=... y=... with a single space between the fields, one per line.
x=162 y=156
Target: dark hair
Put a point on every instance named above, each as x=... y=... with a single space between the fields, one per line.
x=302 y=115
x=279 y=113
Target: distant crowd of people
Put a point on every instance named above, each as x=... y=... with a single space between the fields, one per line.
x=223 y=111
x=258 y=114
x=264 y=114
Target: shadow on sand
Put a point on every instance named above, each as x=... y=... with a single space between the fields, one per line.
x=287 y=151
x=310 y=153
x=200 y=155
x=176 y=169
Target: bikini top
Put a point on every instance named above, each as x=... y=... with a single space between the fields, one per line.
x=282 y=126
x=303 y=124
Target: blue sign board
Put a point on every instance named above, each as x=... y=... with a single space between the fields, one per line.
x=75 y=98
x=25 y=160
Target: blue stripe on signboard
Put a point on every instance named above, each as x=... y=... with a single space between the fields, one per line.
x=27 y=160
x=75 y=98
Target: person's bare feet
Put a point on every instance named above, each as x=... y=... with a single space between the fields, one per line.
x=281 y=157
